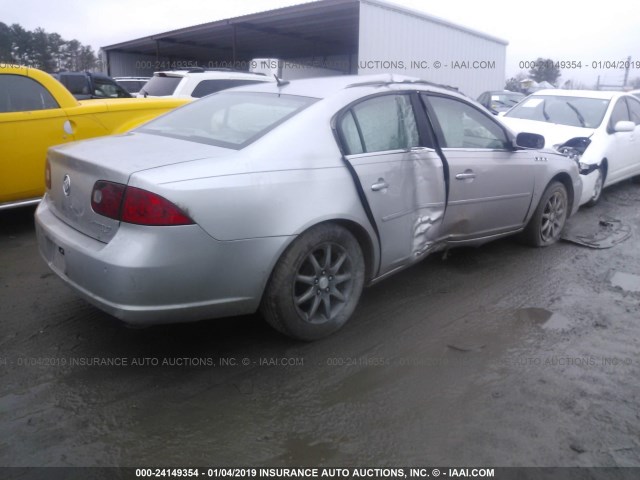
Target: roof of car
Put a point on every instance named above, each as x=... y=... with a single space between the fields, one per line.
x=604 y=94
x=324 y=86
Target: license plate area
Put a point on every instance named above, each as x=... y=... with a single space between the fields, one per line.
x=56 y=256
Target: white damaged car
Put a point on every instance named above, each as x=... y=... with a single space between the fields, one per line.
x=601 y=130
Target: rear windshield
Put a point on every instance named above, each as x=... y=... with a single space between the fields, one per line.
x=161 y=86
x=564 y=110
x=207 y=87
x=228 y=119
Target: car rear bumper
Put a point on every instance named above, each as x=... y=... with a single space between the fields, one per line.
x=152 y=275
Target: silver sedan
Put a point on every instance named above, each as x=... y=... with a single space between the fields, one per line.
x=289 y=198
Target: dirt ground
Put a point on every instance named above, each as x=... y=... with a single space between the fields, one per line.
x=498 y=356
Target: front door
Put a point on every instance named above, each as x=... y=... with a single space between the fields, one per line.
x=30 y=122
x=491 y=185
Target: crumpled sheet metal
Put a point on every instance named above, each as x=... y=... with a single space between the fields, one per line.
x=605 y=233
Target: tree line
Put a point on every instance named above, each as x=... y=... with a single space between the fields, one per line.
x=46 y=51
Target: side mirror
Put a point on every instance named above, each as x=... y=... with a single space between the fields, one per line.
x=529 y=140
x=624 y=126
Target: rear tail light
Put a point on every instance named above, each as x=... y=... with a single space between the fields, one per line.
x=146 y=208
x=134 y=205
x=47 y=175
x=106 y=198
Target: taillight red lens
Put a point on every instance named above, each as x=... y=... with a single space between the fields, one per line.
x=134 y=205
x=106 y=198
x=47 y=175
x=146 y=208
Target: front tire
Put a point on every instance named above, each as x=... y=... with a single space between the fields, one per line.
x=316 y=284
x=548 y=220
x=597 y=189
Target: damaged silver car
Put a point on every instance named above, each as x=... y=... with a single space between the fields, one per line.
x=289 y=198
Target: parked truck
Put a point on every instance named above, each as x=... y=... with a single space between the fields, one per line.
x=87 y=85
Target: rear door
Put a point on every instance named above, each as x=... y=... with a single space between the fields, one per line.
x=399 y=172
x=491 y=185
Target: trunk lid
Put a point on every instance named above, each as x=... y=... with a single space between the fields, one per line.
x=76 y=167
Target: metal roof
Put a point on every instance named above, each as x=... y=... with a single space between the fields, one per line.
x=327 y=27
x=320 y=28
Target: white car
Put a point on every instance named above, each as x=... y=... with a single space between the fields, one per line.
x=198 y=82
x=601 y=130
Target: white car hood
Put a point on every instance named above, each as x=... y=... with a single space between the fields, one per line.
x=553 y=133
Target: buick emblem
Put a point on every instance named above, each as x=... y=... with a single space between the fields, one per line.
x=66 y=185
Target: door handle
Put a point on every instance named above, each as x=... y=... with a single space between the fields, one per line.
x=465 y=176
x=381 y=185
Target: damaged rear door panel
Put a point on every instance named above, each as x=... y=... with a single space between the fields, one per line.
x=400 y=175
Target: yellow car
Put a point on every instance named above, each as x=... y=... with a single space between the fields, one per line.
x=37 y=112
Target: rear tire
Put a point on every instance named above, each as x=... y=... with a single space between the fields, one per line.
x=597 y=189
x=316 y=284
x=548 y=220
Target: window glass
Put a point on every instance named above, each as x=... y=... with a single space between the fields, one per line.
x=565 y=110
x=76 y=84
x=350 y=134
x=207 y=87
x=132 y=86
x=619 y=113
x=22 y=94
x=387 y=123
x=228 y=119
x=105 y=87
x=634 y=110
x=465 y=127
x=161 y=86
x=505 y=100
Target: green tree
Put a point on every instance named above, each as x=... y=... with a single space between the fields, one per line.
x=41 y=55
x=40 y=49
x=21 y=45
x=56 y=48
x=5 y=43
x=71 y=55
x=87 y=59
x=513 y=83
x=545 y=71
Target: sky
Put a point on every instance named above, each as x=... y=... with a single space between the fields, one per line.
x=560 y=30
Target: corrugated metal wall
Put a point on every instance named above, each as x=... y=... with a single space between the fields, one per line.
x=393 y=40
x=122 y=64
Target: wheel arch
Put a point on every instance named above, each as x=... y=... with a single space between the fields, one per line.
x=361 y=235
x=605 y=169
x=565 y=179
x=366 y=245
